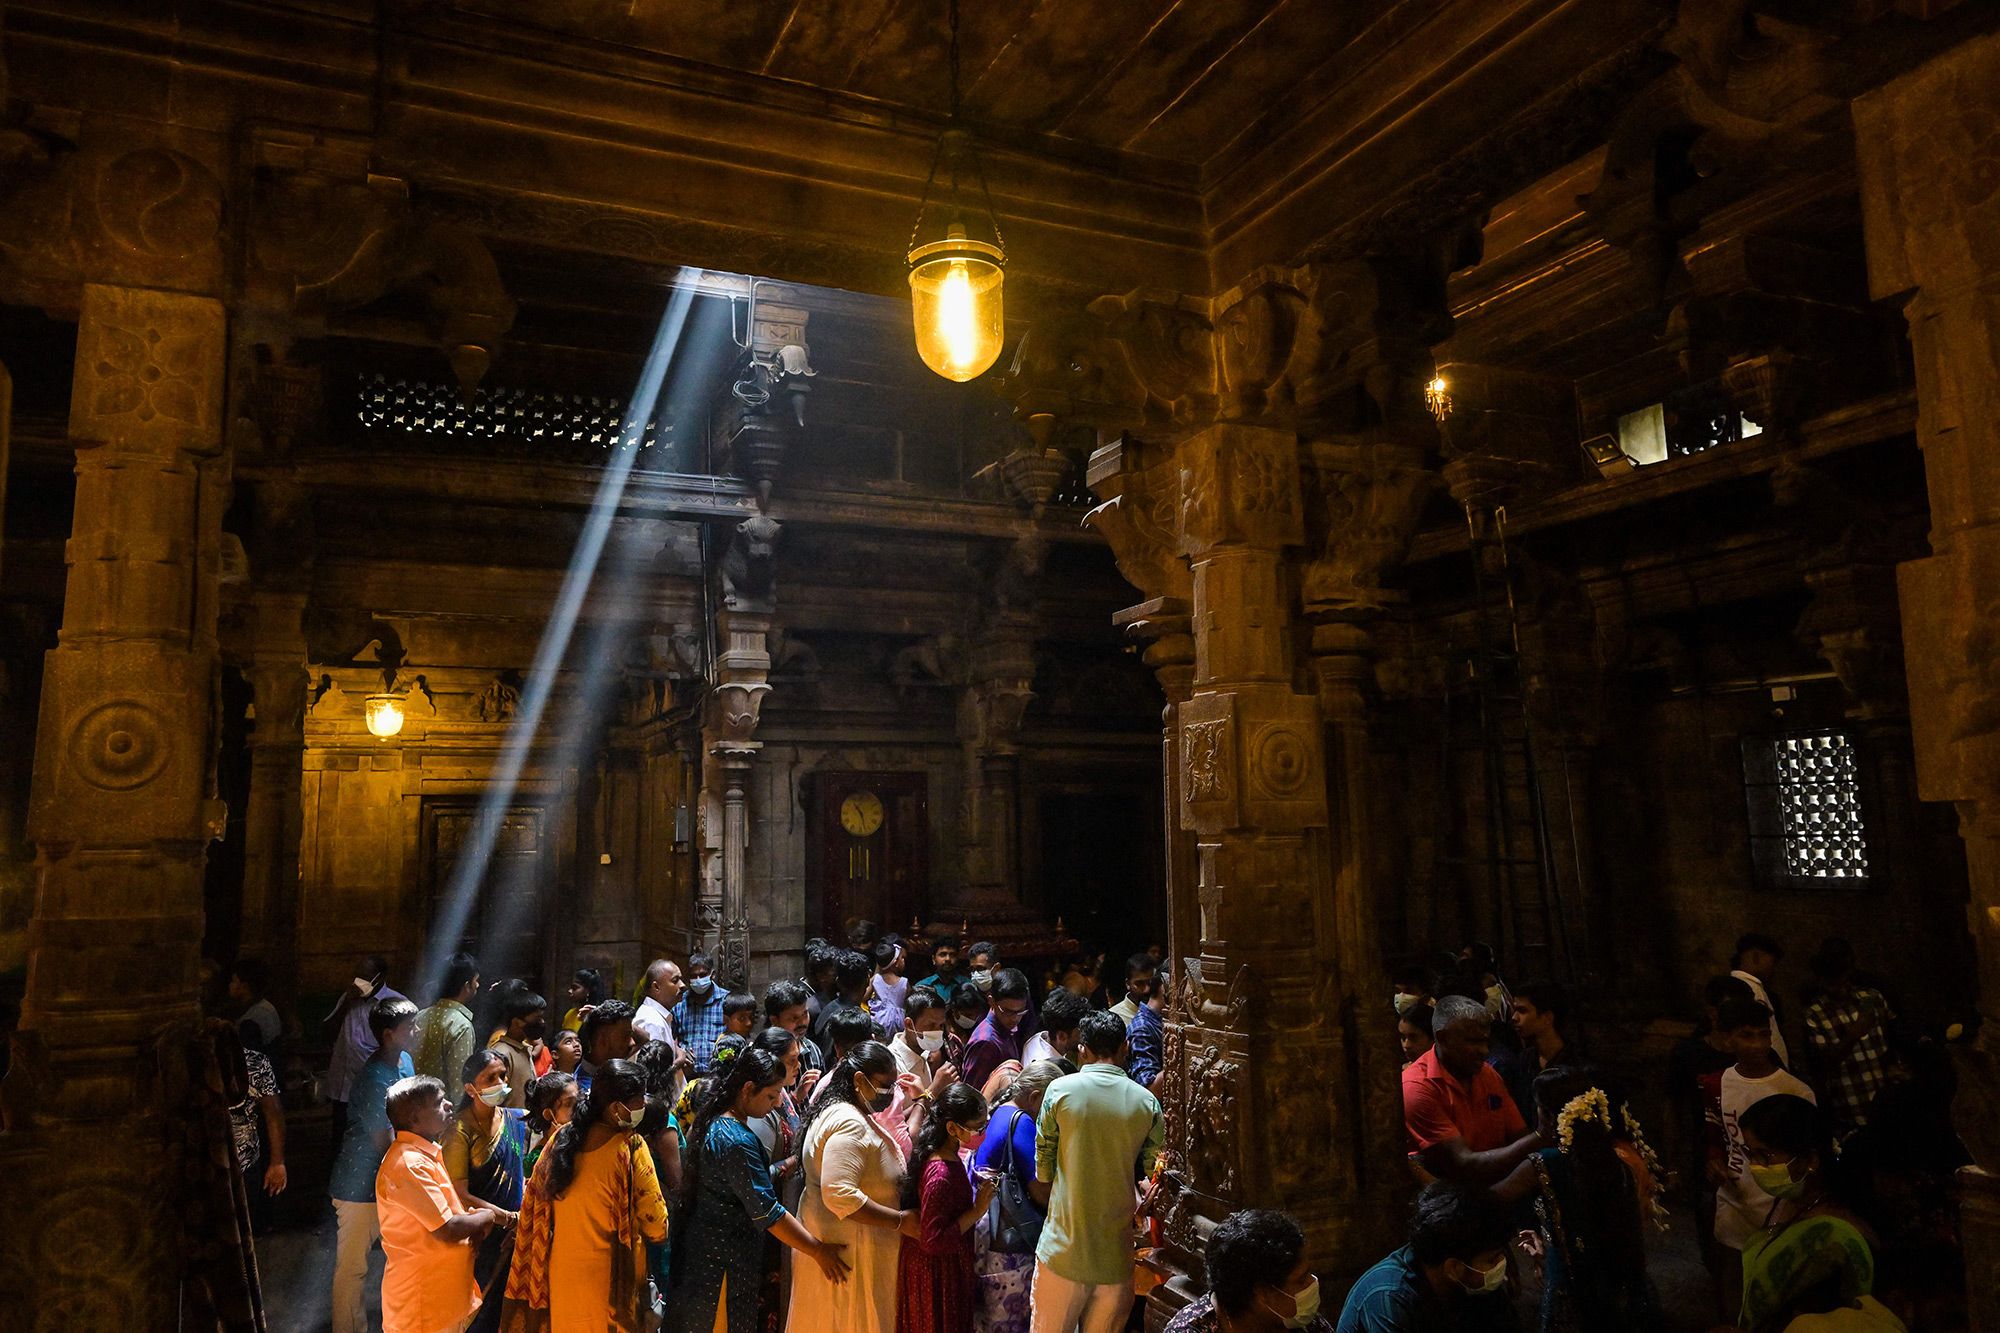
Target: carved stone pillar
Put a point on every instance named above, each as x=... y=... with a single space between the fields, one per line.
x=122 y=815
x=1929 y=154
x=989 y=727
x=742 y=680
x=274 y=817
x=1252 y=793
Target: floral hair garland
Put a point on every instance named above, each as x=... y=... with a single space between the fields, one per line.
x=1595 y=1104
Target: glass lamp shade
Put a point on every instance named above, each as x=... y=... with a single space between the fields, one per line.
x=384 y=713
x=955 y=301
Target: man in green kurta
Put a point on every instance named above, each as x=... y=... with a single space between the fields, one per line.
x=1098 y=1135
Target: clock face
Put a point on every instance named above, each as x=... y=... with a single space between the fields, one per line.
x=861 y=814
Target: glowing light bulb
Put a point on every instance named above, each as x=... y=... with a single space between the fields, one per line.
x=957 y=321
x=384 y=715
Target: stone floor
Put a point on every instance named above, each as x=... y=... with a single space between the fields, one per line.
x=297 y=1264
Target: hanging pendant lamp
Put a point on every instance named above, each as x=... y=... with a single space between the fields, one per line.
x=956 y=278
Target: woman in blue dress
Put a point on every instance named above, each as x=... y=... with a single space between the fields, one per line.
x=730 y=1203
x=486 y=1155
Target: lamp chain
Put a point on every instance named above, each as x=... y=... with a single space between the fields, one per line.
x=953 y=63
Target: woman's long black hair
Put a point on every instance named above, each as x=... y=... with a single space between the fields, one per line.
x=960 y=1104
x=872 y=1060
x=1600 y=1220
x=475 y=1065
x=592 y=981
x=752 y=1069
x=617 y=1081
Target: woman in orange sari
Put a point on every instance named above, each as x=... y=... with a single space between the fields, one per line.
x=591 y=1206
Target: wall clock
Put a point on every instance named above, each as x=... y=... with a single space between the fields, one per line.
x=861 y=814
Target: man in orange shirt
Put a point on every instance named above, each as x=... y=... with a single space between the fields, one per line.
x=428 y=1237
x=1462 y=1124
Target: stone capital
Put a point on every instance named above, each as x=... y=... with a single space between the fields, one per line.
x=148 y=371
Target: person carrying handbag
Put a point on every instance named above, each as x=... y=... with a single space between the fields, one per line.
x=1004 y=1244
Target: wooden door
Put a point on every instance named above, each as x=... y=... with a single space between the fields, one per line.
x=874 y=864
x=503 y=926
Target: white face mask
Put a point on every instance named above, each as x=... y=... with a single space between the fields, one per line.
x=930 y=1042
x=982 y=977
x=494 y=1095
x=1490 y=1279
x=621 y=1116
x=1496 y=1002
x=1305 y=1307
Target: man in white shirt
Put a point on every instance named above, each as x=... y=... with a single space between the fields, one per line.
x=919 y=1045
x=1141 y=971
x=1741 y=1205
x=1755 y=964
x=655 y=1019
x=1062 y=1012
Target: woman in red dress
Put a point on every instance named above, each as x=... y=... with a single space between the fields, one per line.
x=936 y=1288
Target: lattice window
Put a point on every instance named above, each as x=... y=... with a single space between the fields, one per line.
x=531 y=422
x=1807 y=827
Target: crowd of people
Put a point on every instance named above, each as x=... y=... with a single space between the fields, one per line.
x=859 y=1151
x=852 y=1150
x=1822 y=1184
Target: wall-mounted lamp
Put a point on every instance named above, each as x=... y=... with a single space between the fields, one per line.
x=384 y=713
x=1436 y=399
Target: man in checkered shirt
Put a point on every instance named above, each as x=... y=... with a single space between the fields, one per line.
x=1846 y=1034
x=698 y=1016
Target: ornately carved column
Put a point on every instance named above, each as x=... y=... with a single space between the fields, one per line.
x=1258 y=1032
x=742 y=680
x=122 y=816
x=1929 y=149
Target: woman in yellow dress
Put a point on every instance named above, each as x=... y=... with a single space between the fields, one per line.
x=854 y=1177
x=591 y=1206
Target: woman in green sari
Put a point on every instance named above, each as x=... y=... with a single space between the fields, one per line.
x=1812 y=1256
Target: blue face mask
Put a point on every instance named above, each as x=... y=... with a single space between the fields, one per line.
x=702 y=985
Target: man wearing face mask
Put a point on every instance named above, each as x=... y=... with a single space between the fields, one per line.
x=1258 y=1281
x=698 y=1017
x=919 y=1045
x=984 y=960
x=1413 y=985
x=1450 y=1278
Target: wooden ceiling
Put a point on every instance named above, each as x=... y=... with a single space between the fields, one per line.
x=1178 y=80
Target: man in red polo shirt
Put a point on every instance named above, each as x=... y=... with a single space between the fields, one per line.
x=1462 y=1125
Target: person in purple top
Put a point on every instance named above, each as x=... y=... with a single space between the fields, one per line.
x=997 y=1039
x=353 y=1043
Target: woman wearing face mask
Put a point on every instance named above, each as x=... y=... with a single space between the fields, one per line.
x=968 y=1008
x=1004 y=1258
x=592 y=1204
x=1258 y=1281
x=1591 y=1208
x=936 y=1290
x=1810 y=1247
x=486 y=1154
x=721 y=1279
x=853 y=1170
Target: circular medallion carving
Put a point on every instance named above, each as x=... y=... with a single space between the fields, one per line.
x=1282 y=761
x=119 y=745
x=157 y=202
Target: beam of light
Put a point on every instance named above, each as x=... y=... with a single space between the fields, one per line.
x=475 y=858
